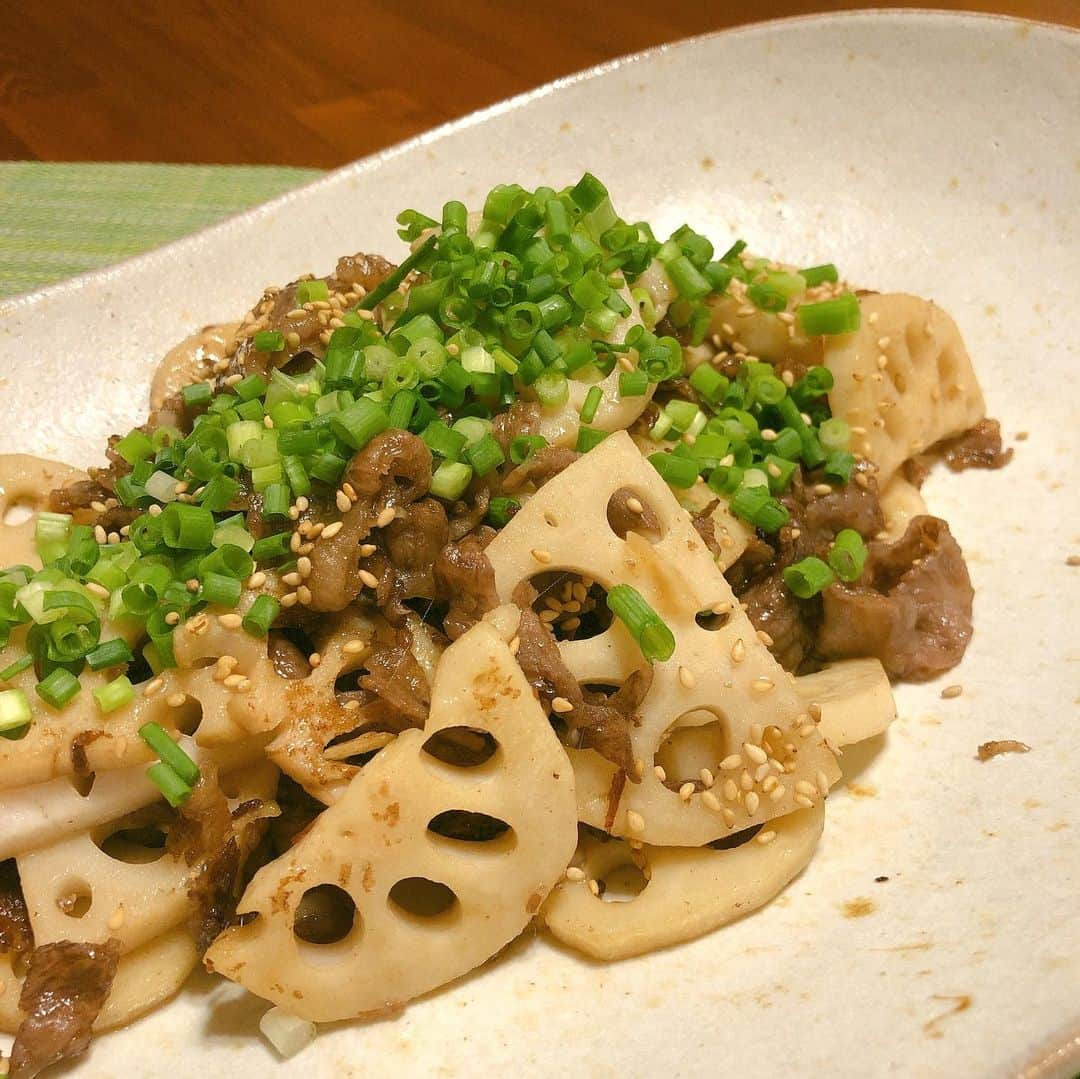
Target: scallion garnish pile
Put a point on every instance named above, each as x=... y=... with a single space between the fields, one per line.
x=480 y=315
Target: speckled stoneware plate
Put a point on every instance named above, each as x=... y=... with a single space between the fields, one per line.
x=938 y=154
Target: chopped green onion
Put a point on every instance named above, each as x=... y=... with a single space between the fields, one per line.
x=219 y=492
x=501 y=510
x=835 y=434
x=261 y=615
x=443 y=441
x=524 y=446
x=652 y=634
x=591 y=404
x=220 y=589
x=268 y=341
x=709 y=382
x=676 y=471
x=838 y=466
x=58 y=687
x=15 y=668
x=819 y=275
x=551 y=388
x=186 y=527
x=485 y=455
x=779 y=470
x=109 y=654
x=276 y=502
x=270 y=548
x=839 y=315
x=14 y=710
x=170 y=753
x=357 y=425
x=633 y=383
x=175 y=791
x=51 y=534
x=391 y=282
x=197 y=395
x=311 y=291
x=589 y=438
x=135 y=446
x=848 y=555
x=450 y=480
x=114 y=694
x=808 y=577
x=682 y=414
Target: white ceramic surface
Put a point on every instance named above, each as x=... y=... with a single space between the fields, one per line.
x=933 y=153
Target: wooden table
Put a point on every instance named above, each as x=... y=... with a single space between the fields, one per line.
x=281 y=81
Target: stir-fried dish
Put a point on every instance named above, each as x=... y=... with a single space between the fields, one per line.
x=541 y=576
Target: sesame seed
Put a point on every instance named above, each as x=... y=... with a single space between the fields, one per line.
x=761 y=772
x=155 y=510
x=777 y=793
x=806 y=730
x=635 y=821
x=342 y=501
x=233 y=681
x=746 y=781
x=173 y=618
x=815 y=712
x=738 y=651
x=290 y=599
x=385 y=517
x=303 y=565
x=153 y=687
x=561 y=704
x=369 y=579
x=686 y=677
x=541 y=555
x=686 y=791
x=752 y=801
x=174 y=700
x=710 y=801
x=100 y=535
x=765 y=638
x=730 y=790
x=822 y=489
x=574 y=874
x=949 y=692
x=515 y=644
x=808 y=789
x=257 y=579
x=755 y=753
x=765 y=838
x=314 y=660
x=707 y=778
x=294 y=514
x=723 y=607
x=802 y=800
x=291 y=579
x=594 y=887
x=822 y=783
x=294 y=542
x=230 y=621
x=769 y=435
x=659 y=772
x=331 y=530
x=769 y=784
x=116 y=919
x=634 y=505
x=192 y=584
x=729 y=817
x=351 y=706
x=788 y=379
x=729 y=764
x=98 y=590
x=762 y=685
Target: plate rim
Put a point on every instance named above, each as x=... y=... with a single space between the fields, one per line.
x=18 y=303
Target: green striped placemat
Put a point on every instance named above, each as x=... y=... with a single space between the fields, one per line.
x=58 y=220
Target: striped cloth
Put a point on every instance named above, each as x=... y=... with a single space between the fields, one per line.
x=59 y=220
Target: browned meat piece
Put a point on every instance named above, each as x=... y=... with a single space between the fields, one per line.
x=398 y=680
x=204 y=835
x=622 y=519
x=604 y=722
x=989 y=750
x=289 y=661
x=912 y=608
x=705 y=527
x=16 y=936
x=544 y=465
x=523 y=418
x=365 y=271
x=465 y=578
x=392 y=470
x=78 y=496
x=789 y=622
x=468 y=514
x=65 y=988
x=978 y=448
x=412 y=543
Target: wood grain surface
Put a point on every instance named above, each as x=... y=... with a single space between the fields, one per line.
x=277 y=81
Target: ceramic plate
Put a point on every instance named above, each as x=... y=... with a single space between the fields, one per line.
x=937 y=154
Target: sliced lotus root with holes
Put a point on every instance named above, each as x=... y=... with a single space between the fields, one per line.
x=25 y=483
x=103 y=883
x=430 y=905
x=853 y=699
x=227 y=674
x=765 y=334
x=924 y=390
x=773 y=753
x=80 y=739
x=684 y=892
x=144 y=979
x=42 y=813
x=323 y=729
